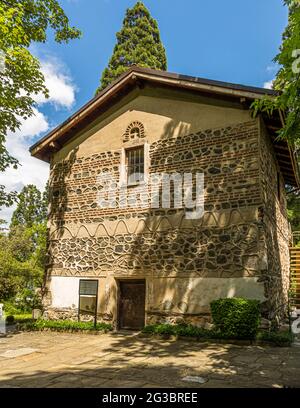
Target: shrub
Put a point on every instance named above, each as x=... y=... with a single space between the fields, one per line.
x=23 y=318
x=23 y=302
x=283 y=339
x=167 y=329
x=27 y=299
x=236 y=317
x=150 y=329
x=64 y=325
x=176 y=330
x=10 y=308
x=10 y=319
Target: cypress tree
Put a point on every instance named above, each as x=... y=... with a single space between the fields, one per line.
x=138 y=43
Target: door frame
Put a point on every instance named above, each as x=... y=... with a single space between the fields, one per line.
x=119 y=281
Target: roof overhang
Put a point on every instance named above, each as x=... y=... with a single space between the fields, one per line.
x=137 y=77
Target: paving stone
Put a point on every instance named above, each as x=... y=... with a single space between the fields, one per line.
x=82 y=360
x=194 y=379
x=115 y=361
x=18 y=352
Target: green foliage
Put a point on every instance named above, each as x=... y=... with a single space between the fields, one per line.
x=27 y=299
x=65 y=325
x=23 y=250
x=177 y=330
x=20 y=318
x=282 y=339
x=21 y=261
x=236 y=317
x=138 y=43
x=293 y=204
x=10 y=319
x=23 y=22
x=11 y=273
x=23 y=317
x=287 y=81
x=10 y=308
x=167 y=329
x=31 y=207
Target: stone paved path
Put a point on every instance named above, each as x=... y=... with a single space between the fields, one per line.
x=126 y=360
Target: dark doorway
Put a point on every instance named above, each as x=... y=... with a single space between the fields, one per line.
x=132 y=304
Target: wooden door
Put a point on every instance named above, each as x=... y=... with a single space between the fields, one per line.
x=132 y=305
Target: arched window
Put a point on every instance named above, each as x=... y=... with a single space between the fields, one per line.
x=134 y=131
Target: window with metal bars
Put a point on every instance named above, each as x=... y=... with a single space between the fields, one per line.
x=135 y=165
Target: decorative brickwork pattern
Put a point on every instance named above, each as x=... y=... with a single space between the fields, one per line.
x=227 y=157
x=134 y=131
x=233 y=240
x=212 y=252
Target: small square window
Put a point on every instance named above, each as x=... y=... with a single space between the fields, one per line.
x=88 y=296
x=135 y=165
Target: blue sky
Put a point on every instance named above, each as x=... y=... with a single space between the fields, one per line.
x=230 y=40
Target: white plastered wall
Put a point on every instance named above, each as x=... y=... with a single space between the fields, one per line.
x=64 y=291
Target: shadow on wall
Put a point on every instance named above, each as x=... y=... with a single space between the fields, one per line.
x=276 y=277
x=200 y=249
x=58 y=203
x=228 y=243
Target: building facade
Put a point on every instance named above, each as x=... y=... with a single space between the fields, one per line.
x=159 y=264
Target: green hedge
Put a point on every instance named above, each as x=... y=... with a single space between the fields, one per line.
x=11 y=309
x=23 y=318
x=177 y=330
x=19 y=318
x=236 y=318
x=284 y=339
x=10 y=319
x=64 y=325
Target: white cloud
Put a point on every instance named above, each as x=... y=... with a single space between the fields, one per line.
x=31 y=170
x=272 y=68
x=60 y=86
x=33 y=126
x=269 y=84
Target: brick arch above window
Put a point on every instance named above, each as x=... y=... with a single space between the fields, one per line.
x=135 y=130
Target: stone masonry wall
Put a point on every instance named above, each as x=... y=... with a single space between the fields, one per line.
x=276 y=230
x=228 y=158
x=228 y=242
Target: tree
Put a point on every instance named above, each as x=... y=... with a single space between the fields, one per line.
x=23 y=22
x=31 y=208
x=10 y=280
x=23 y=249
x=22 y=259
x=293 y=211
x=287 y=81
x=138 y=43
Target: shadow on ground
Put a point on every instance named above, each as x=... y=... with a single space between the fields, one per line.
x=127 y=360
